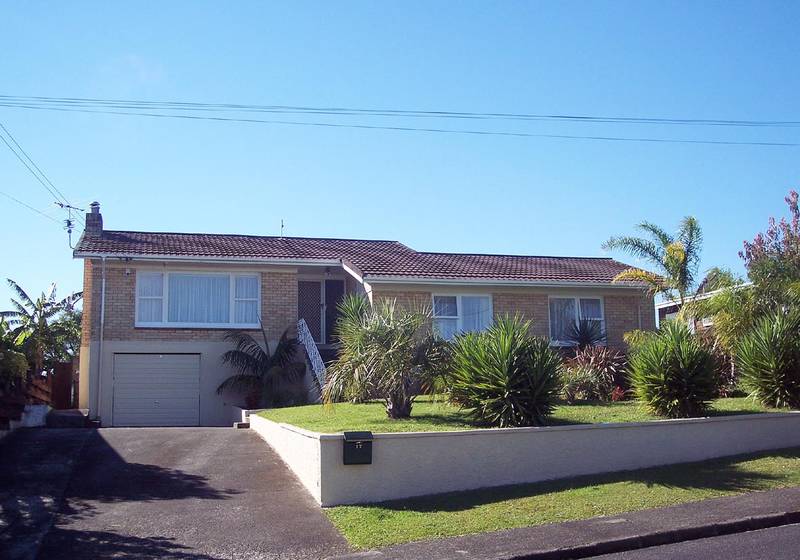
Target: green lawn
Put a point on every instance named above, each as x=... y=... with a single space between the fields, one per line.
x=431 y=415
x=446 y=515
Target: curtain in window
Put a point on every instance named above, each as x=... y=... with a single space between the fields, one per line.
x=476 y=313
x=562 y=317
x=445 y=306
x=245 y=304
x=150 y=293
x=198 y=298
x=446 y=328
x=590 y=309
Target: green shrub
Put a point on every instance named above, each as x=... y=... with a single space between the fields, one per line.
x=673 y=373
x=506 y=377
x=769 y=360
x=604 y=368
x=13 y=367
x=579 y=383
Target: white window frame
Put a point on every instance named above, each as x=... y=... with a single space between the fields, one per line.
x=459 y=318
x=165 y=323
x=577 y=298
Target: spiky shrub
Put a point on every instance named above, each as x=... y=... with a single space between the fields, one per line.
x=606 y=368
x=769 y=360
x=586 y=333
x=673 y=373
x=504 y=376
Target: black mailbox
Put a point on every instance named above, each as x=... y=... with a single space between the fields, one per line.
x=357 y=448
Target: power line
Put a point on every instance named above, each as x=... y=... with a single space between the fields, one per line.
x=29 y=207
x=26 y=101
x=52 y=187
x=412 y=129
x=60 y=200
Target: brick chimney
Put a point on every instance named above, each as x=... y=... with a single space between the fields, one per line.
x=94 y=221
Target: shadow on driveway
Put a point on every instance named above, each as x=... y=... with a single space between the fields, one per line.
x=135 y=493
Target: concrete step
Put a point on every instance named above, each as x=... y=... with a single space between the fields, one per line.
x=72 y=418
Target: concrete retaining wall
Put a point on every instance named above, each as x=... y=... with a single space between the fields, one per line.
x=419 y=463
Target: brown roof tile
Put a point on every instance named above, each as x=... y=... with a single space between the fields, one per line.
x=372 y=258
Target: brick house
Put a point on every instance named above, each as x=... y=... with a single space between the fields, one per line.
x=157 y=306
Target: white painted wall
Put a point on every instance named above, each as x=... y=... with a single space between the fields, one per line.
x=413 y=464
x=299 y=449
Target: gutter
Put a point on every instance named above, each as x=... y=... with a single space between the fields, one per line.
x=498 y=282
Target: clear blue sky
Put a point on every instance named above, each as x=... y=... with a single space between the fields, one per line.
x=724 y=60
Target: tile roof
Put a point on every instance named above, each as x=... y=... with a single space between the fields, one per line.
x=372 y=258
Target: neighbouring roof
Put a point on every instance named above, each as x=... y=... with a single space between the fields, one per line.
x=373 y=259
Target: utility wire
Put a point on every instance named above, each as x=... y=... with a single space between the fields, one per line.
x=350 y=111
x=29 y=207
x=412 y=129
x=52 y=187
x=41 y=177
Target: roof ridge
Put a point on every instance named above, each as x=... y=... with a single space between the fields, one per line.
x=512 y=255
x=253 y=235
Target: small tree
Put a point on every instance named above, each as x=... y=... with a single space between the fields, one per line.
x=264 y=376
x=386 y=352
x=32 y=323
x=675 y=257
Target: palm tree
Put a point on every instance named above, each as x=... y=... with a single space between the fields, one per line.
x=264 y=376
x=32 y=321
x=386 y=352
x=675 y=257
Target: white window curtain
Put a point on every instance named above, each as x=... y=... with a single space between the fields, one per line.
x=454 y=314
x=150 y=295
x=445 y=312
x=476 y=313
x=562 y=318
x=245 y=302
x=591 y=309
x=199 y=298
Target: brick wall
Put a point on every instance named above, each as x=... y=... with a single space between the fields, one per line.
x=623 y=312
x=278 y=307
x=626 y=313
x=533 y=307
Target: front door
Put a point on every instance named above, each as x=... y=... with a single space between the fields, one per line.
x=334 y=292
x=317 y=303
x=309 y=306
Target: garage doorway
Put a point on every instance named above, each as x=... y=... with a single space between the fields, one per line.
x=156 y=390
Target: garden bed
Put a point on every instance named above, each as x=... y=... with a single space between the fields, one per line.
x=435 y=415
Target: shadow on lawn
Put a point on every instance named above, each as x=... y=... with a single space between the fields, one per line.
x=721 y=474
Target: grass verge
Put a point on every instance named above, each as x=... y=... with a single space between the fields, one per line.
x=460 y=513
x=432 y=415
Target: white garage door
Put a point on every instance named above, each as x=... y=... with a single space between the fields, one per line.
x=156 y=390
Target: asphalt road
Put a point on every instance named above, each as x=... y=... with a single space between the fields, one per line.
x=136 y=493
x=780 y=543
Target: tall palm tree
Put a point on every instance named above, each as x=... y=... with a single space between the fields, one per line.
x=386 y=352
x=675 y=257
x=264 y=375
x=32 y=321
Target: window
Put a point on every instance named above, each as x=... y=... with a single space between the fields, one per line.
x=197 y=299
x=565 y=312
x=453 y=314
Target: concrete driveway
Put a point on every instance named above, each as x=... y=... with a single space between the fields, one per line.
x=182 y=493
